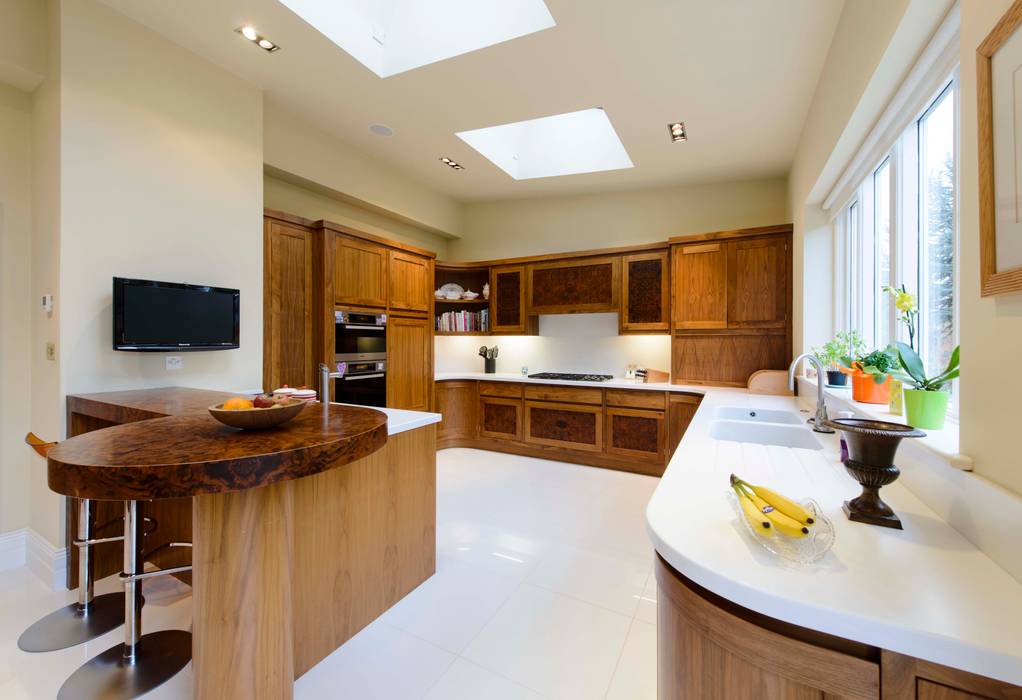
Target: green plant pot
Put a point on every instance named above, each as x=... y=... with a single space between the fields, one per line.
x=926 y=409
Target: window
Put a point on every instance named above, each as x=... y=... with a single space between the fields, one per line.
x=900 y=227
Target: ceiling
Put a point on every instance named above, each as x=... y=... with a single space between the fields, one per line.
x=739 y=73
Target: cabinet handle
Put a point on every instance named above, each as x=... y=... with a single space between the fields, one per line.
x=353 y=377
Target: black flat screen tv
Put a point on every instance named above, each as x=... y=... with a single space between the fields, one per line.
x=160 y=316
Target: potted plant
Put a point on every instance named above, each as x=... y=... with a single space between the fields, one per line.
x=871 y=375
x=926 y=402
x=843 y=344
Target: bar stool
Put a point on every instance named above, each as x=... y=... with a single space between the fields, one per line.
x=90 y=617
x=141 y=662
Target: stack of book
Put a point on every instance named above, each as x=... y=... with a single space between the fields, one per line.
x=463 y=321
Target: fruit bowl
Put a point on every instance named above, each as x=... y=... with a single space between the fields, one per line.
x=803 y=551
x=258 y=418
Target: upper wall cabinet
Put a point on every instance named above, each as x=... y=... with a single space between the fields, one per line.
x=507 y=299
x=645 y=293
x=360 y=273
x=757 y=274
x=411 y=282
x=585 y=285
x=700 y=285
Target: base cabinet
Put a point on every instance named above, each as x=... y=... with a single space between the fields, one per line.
x=636 y=433
x=571 y=426
x=500 y=419
x=457 y=403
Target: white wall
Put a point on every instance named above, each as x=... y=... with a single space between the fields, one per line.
x=15 y=303
x=991 y=329
x=566 y=343
x=509 y=228
x=161 y=178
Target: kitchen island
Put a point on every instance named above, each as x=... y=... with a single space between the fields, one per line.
x=918 y=613
x=302 y=534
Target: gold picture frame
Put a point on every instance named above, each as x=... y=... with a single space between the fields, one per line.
x=992 y=280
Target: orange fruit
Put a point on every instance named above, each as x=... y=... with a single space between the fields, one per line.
x=237 y=403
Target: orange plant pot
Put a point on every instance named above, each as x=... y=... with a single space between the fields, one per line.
x=865 y=390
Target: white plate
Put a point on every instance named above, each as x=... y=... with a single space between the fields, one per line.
x=452 y=287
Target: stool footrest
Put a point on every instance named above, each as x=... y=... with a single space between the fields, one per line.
x=153 y=574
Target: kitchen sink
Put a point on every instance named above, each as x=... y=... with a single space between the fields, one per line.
x=758 y=415
x=764 y=434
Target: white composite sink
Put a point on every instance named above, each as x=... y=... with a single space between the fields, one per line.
x=764 y=434
x=758 y=415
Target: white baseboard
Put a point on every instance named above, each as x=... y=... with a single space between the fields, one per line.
x=26 y=547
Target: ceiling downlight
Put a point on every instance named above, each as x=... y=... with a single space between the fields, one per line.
x=251 y=34
x=450 y=163
x=677 y=132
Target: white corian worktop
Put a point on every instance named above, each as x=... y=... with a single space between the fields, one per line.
x=924 y=591
x=616 y=383
x=400 y=420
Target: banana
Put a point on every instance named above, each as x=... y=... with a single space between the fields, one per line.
x=781 y=522
x=784 y=505
x=760 y=524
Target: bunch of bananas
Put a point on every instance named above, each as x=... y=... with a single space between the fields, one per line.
x=768 y=510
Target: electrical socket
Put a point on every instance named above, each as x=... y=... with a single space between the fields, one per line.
x=174 y=362
x=51 y=351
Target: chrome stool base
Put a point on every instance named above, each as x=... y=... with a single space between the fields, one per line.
x=158 y=657
x=69 y=626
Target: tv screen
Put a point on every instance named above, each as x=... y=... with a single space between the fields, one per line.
x=157 y=316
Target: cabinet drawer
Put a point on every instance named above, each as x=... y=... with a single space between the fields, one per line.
x=636 y=433
x=566 y=394
x=636 y=399
x=506 y=389
x=564 y=425
x=500 y=419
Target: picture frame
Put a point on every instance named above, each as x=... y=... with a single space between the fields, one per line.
x=998 y=59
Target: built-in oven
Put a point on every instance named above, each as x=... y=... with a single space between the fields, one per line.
x=360 y=342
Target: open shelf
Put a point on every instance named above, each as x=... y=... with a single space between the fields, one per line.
x=462 y=333
x=462 y=301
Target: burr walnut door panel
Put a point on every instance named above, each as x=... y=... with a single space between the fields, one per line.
x=636 y=433
x=360 y=272
x=645 y=293
x=507 y=299
x=588 y=285
x=699 y=273
x=757 y=274
x=411 y=282
x=500 y=419
x=572 y=426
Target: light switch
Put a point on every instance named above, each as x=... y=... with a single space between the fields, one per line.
x=174 y=362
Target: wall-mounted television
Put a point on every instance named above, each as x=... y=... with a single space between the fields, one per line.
x=160 y=316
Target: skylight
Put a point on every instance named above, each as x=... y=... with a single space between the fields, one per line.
x=393 y=36
x=563 y=144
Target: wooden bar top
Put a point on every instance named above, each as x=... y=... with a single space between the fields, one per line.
x=188 y=452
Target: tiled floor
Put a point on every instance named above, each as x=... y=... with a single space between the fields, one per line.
x=543 y=590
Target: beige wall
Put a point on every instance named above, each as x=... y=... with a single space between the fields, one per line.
x=22 y=43
x=15 y=303
x=991 y=329
x=559 y=224
x=298 y=199
x=295 y=147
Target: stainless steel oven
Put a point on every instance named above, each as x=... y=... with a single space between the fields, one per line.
x=360 y=347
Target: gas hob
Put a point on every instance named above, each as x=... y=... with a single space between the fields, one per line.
x=568 y=377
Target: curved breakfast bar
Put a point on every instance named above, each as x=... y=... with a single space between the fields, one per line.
x=301 y=535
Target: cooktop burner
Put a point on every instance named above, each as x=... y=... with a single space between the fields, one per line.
x=572 y=377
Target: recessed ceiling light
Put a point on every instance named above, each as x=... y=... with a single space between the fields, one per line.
x=677 y=131
x=447 y=161
x=381 y=130
x=399 y=35
x=250 y=33
x=562 y=144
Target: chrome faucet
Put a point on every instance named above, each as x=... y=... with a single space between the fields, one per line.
x=325 y=375
x=820 y=419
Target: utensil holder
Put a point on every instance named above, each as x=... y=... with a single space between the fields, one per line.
x=490 y=366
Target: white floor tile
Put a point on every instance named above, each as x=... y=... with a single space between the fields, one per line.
x=600 y=577
x=465 y=680
x=452 y=606
x=553 y=644
x=646 y=611
x=635 y=676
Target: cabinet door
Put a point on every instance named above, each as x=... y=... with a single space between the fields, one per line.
x=457 y=402
x=636 y=433
x=500 y=419
x=908 y=678
x=360 y=272
x=645 y=292
x=757 y=283
x=507 y=299
x=288 y=355
x=588 y=285
x=409 y=363
x=681 y=409
x=728 y=358
x=699 y=276
x=566 y=425
x=411 y=282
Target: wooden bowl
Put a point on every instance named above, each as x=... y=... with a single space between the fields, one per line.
x=258 y=418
